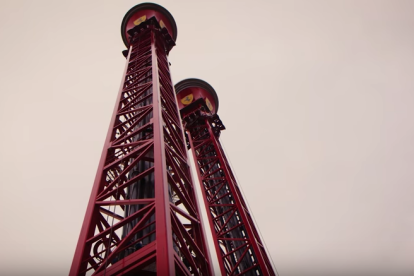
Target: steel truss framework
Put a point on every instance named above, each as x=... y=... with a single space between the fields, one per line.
x=142 y=215
x=239 y=248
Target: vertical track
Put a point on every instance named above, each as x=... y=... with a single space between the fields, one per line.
x=142 y=217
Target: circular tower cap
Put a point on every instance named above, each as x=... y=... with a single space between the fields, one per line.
x=190 y=90
x=144 y=11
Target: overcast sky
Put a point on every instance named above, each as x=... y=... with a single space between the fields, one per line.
x=317 y=98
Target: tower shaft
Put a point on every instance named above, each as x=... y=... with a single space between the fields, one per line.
x=143 y=217
x=239 y=247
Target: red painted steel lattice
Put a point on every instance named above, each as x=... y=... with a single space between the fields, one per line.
x=142 y=217
x=239 y=248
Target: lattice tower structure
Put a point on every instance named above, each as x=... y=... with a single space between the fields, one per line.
x=239 y=248
x=143 y=216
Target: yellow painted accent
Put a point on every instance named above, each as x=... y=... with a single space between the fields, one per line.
x=162 y=25
x=187 y=99
x=140 y=20
x=209 y=105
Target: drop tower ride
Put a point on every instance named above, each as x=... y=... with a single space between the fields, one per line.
x=239 y=248
x=143 y=217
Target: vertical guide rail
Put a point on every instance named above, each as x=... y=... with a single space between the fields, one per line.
x=165 y=257
x=157 y=231
x=239 y=248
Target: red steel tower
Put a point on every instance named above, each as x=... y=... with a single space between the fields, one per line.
x=238 y=245
x=143 y=217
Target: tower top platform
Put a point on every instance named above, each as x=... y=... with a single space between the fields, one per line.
x=191 y=90
x=144 y=11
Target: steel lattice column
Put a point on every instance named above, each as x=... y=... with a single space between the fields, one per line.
x=143 y=217
x=238 y=245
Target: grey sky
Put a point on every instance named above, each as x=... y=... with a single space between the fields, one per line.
x=317 y=98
